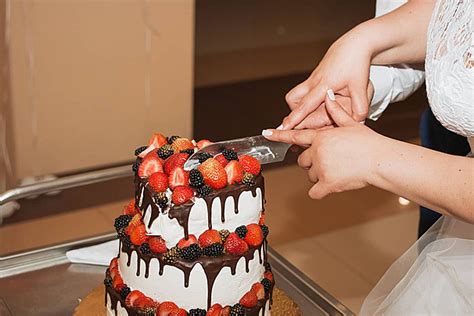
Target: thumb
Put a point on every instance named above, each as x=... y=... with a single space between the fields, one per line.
x=337 y=112
x=319 y=191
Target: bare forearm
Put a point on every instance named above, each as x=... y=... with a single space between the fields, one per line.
x=436 y=180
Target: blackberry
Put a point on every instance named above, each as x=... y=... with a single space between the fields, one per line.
x=188 y=151
x=171 y=139
x=191 y=253
x=237 y=310
x=165 y=151
x=149 y=311
x=267 y=284
x=248 y=179
x=136 y=165
x=241 y=231
x=203 y=191
x=229 y=154
x=224 y=234
x=122 y=221
x=264 y=230
x=196 y=179
x=204 y=156
x=197 y=312
x=126 y=241
x=108 y=281
x=139 y=150
x=121 y=233
x=124 y=292
x=267 y=266
x=145 y=248
x=162 y=200
x=213 y=250
x=172 y=254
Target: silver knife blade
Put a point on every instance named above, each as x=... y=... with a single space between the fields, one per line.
x=259 y=147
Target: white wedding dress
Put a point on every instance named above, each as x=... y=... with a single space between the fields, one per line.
x=439 y=280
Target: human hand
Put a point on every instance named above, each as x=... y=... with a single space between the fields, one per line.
x=337 y=159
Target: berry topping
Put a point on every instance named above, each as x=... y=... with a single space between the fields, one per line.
x=182 y=194
x=145 y=248
x=188 y=151
x=165 y=151
x=172 y=254
x=171 y=139
x=113 y=263
x=222 y=160
x=182 y=144
x=203 y=191
x=157 y=140
x=254 y=236
x=139 y=150
x=162 y=200
x=122 y=221
x=214 y=174
x=138 y=235
x=241 y=231
x=187 y=242
x=237 y=310
x=229 y=154
x=197 y=312
x=149 y=165
x=203 y=143
x=132 y=297
x=158 y=182
x=130 y=209
x=178 y=312
x=196 y=179
x=157 y=244
x=264 y=230
x=149 y=311
x=213 y=250
x=224 y=233
x=235 y=245
x=203 y=157
x=144 y=302
x=215 y=310
x=209 y=237
x=117 y=282
x=249 y=300
x=126 y=241
x=234 y=171
x=124 y=292
x=248 y=179
x=178 y=177
x=225 y=311
x=166 y=308
x=250 y=164
x=259 y=290
x=267 y=284
x=176 y=160
x=268 y=275
x=136 y=221
x=191 y=253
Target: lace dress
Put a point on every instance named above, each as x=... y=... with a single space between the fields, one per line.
x=436 y=275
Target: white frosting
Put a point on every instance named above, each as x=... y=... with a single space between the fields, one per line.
x=249 y=208
x=227 y=288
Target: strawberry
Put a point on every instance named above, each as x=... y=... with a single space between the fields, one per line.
x=234 y=245
x=157 y=244
x=254 y=236
x=215 y=310
x=166 y=308
x=225 y=311
x=117 y=282
x=157 y=140
x=259 y=290
x=134 y=222
x=214 y=174
x=158 y=182
x=203 y=143
x=178 y=312
x=113 y=272
x=268 y=275
x=183 y=243
x=138 y=235
x=221 y=160
x=149 y=165
x=150 y=149
x=182 y=194
x=132 y=297
x=144 y=302
x=250 y=164
x=174 y=161
x=130 y=209
x=261 y=221
x=249 y=300
x=182 y=144
x=178 y=177
x=234 y=171
x=113 y=263
x=209 y=237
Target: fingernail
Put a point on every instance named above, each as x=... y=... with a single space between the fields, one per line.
x=280 y=127
x=331 y=95
x=267 y=132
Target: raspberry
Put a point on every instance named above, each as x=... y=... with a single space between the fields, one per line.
x=241 y=231
x=145 y=248
x=196 y=179
x=191 y=253
x=204 y=156
x=267 y=284
x=139 y=150
x=229 y=154
x=213 y=250
x=203 y=191
x=122 y=221
x=124 y=292
x=165 y=151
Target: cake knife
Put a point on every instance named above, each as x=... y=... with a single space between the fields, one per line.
x=264 y=150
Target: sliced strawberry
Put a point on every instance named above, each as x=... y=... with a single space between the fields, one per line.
x=157 y=244
x=178 y=177
x=215 y=310
x=113 y=272
x=138 y=235
x=166 y=308
x=268 y=275
x=183 y=243
x=132 y=297
x=113 y=263
x=234 y=171
x=136 y=221
x=182 y=144
x=221 y=160
x=249 y=300
x=158 y=182
x=214 y=174
x=225 y=311
x=151 y=148
x=174 y=161
x=157 y=140
x=203 y=143
x=259 y=290
x=182 y=194
x=144 y=302
x=234 y=245
x=178 y=312
x=261 y=221
x=117 y=282
x=130 y=209
x=254 y=236
x=209 y=237
x=149 y=165
x=250 y=164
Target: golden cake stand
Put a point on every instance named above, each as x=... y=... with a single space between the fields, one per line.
x=94 y=305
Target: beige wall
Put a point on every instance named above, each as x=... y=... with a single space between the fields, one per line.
x=79 y=73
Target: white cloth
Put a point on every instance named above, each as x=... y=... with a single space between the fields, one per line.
x=100 y=254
